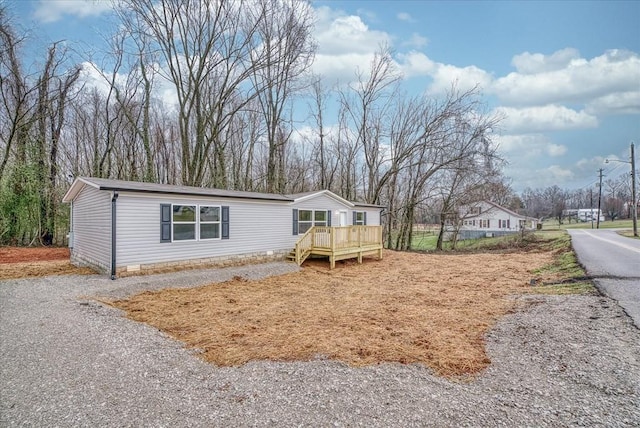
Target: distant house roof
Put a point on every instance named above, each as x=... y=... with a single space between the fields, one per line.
x=135 y=186
x=501 y=208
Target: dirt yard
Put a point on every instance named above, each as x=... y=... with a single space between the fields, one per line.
x=433 y=309
x=23 y=262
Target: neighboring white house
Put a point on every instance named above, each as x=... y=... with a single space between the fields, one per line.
x=590 y=214
x=123 y=226
x=485 y=219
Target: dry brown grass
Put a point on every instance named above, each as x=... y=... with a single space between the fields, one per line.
x=25 y=262
x=32 y=254
x=41 y=268
x=408 y=308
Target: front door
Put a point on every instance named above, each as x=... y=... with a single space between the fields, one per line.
x=343 y=218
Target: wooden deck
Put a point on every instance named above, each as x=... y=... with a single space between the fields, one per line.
x=339 y=243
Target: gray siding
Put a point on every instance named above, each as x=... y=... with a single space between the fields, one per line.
x=92 y=228
x=254 y=226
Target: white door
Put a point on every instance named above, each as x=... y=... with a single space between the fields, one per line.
x=343 y=218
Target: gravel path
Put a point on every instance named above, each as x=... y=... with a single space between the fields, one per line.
x=66 y=360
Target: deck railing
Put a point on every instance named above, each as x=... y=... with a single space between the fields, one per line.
x=304 y=246
x=330 y=241
x=337 y=238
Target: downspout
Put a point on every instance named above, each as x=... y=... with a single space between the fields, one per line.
x=114 y=198
x=70 y=236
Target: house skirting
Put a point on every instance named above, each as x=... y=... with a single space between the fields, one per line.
x=202 y=263
x=477 y=234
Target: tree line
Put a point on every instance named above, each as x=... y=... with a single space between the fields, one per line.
x=220 y=94
x=553 y=202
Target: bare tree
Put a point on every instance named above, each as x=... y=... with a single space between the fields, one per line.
x=33 y=116
x=367 y=106
x=211 y=49
x=286 y=53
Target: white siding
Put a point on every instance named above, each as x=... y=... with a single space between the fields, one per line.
x=324 y=202
x=493 y=214
x=92 y=228
x=373 y=215
x=254 y=226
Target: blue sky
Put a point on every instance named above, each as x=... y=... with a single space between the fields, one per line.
x=566 y=75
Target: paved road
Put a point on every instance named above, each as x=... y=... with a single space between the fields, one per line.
x=614 y=261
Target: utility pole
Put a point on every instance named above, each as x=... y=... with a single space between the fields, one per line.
x=591 y=205
x=599 y=198
x=634 y=205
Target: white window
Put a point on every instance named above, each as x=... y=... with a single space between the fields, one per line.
x=305 y=221
x=359 y=218
x=209 y=222
x=195 y=222
x=320 y=218
x=184 y=222
x=309 y=218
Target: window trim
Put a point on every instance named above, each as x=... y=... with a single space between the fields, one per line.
x=219 y=222
x=312 y=222
x=222 y=209
x=195 y=223
x=363 y=221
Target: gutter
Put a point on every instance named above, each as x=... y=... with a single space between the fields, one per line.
x=114 y=198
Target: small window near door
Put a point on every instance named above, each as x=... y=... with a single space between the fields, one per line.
x=359 y=218
x=319 y=218
x=305 y=221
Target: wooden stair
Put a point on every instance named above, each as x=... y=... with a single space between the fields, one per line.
x=291 y=256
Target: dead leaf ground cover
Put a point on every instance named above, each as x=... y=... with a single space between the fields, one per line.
x=433 y=309
x=25 y=262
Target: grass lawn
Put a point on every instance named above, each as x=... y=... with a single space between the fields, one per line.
x=432 y=309
x=616 y=224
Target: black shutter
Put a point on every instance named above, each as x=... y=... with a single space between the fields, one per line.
x=295 y=221
x=364 y=217
x=165 y=222
x=355 y=218
x=225 y=222
x=329 y=218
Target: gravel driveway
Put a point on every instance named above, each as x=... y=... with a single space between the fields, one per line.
x=66 y=360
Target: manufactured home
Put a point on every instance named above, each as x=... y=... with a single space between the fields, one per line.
x=119 y=227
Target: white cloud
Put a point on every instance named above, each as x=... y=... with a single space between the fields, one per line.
x=616 y=103
x=404 y=16
x=557 y=173
x=92 y=77
x=529 y=146
x=528 y=176
x=563 y=77
x=444 y=75
x=337 y=33
x=528 y=63
x=54 y=10
x=345 y=44
x=544 y=118
x=416 y=64
x=465 y=78
x=416 y=41
x=341 y=67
